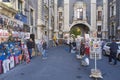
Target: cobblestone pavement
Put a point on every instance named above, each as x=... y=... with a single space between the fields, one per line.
x=60 y=65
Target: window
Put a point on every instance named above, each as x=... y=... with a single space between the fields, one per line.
x=79 y=13
x=99 y=15
x=112 y=30
x=6 y=0
x=31 y=16
x=99 y=28
x=60 y=26
x=99 y=32
x=112 y=10
x=60 y=15
x=20 y=5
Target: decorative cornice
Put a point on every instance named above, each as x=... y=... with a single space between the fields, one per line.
x=8 y=8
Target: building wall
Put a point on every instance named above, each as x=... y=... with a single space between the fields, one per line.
x=99 y=21
x=113 y=20
x=32 y=5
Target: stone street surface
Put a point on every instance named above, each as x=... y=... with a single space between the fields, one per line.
x=60 y=65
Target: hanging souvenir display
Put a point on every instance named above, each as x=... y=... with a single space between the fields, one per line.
x=1 y=67
x=12 y=62
x=5 y=64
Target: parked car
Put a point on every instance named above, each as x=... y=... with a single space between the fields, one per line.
x=106 y=49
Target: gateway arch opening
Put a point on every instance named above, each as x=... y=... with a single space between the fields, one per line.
x=79 y=30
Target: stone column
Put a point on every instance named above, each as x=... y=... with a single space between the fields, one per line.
x=84 y=11
x=55 y=13
x=49 y=22
x=105 y=21
x=93 y=16
x=39 y=20
x=66 y=16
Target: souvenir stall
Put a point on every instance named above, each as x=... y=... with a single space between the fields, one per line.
x=10 y=49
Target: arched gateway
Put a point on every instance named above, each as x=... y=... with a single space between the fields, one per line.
x=83 y=26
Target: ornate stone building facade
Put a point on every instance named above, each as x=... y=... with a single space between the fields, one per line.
x=114 y=19
x=87 y=15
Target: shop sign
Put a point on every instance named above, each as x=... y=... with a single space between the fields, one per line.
x=96 y=51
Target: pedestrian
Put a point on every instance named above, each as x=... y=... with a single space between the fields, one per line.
x=55 y=41
x=70 y=46
x=85 y=61
x=39 y=46
x=44 y=46
x=82 y=49
x=78 y=45
x=73 y=47
x=30 y=45
x=113 y=52
x=87 y=48
x=102 y=44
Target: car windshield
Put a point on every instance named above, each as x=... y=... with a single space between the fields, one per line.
x=108 y=44
x=118 y=45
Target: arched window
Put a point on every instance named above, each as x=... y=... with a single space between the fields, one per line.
x=79 y=13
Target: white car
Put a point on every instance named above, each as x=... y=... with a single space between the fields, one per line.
x=106 y=49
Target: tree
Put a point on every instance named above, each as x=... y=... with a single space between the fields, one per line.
x=75 y=31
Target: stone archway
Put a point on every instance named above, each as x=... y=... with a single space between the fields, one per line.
x=84 y=28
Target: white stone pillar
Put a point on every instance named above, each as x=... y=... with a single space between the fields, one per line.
x=66 y=16
x=39 y=20
x=93 y=16
x=84 y=11
x=49 y=22
x=105 y=21
x=55 y=11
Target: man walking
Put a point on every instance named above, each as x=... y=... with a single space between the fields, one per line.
x=113 y=52
x=30 y=45
x=44 y=46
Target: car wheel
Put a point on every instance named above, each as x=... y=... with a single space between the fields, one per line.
x=104 y=53
x=119 y=57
